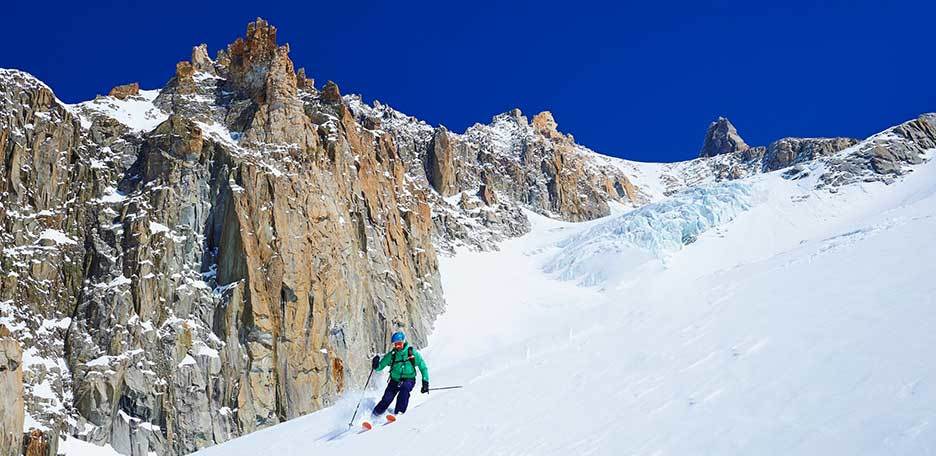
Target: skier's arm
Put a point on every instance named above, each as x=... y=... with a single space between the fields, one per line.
x=385 y=361
x=421 y=364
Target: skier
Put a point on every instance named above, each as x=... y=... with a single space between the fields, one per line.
x=403 y=361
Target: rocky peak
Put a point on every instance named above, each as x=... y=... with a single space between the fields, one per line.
x=200 y=59
x=256 y=62
x=512 y=116
x=330 y=93
x=546 y=125
x=722 y=138
x=303 y=82
x=545 y=122
x=184 y=80
x=259 y=71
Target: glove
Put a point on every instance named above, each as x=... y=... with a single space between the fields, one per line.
x=375 y=362
x=425 y=387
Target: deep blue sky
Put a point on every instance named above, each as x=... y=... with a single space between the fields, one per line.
x=641 y=81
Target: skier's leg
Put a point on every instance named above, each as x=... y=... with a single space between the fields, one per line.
x=388 y=395
x=403 y=398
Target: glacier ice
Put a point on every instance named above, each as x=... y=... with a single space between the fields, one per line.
x=656 y=230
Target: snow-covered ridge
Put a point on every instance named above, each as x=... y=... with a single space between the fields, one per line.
x=137 y=112
x=23 y=79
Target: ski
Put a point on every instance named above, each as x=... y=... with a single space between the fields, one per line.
x=367 y=425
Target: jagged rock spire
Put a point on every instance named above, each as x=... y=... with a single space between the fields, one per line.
x=256 y=65
x=722 y=138
x=200 y=59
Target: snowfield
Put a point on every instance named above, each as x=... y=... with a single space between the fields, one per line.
x=764 y=317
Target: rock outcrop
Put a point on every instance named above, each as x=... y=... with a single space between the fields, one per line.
x=200 y=60
x=884 y=156
x=122 y=92
x=11 y=395
x=790 y=151
x=722 y=138
x=441 y=158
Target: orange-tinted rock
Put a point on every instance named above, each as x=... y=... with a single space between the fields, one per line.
x=330 y=93
x=121 y=92
x=36 y=444
x=303 y=82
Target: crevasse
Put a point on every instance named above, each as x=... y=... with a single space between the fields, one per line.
x=655 y=230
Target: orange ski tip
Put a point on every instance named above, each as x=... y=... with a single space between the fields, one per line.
x=366 y=425
x=391 y=418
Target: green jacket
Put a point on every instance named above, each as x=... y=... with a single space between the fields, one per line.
x=401 y=368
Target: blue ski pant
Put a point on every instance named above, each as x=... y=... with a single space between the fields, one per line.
x=401 y=390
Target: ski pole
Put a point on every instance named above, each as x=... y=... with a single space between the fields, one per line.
x=351 y=423
x=444 y=388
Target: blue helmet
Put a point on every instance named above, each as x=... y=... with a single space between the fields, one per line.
x=397 y=337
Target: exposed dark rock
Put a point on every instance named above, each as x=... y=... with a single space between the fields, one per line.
x=722 y=138
x=789 y=151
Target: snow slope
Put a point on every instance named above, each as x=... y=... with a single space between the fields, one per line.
x=802 y=322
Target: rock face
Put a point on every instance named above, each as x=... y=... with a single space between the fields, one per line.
x=498 y=169
x=11 y=394
x=884 y=156
x=722 y=138
x=42 y=265
x=182 y=286
x=441 y=158
x=790 y=151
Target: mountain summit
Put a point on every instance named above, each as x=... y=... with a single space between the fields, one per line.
x=722 y=138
